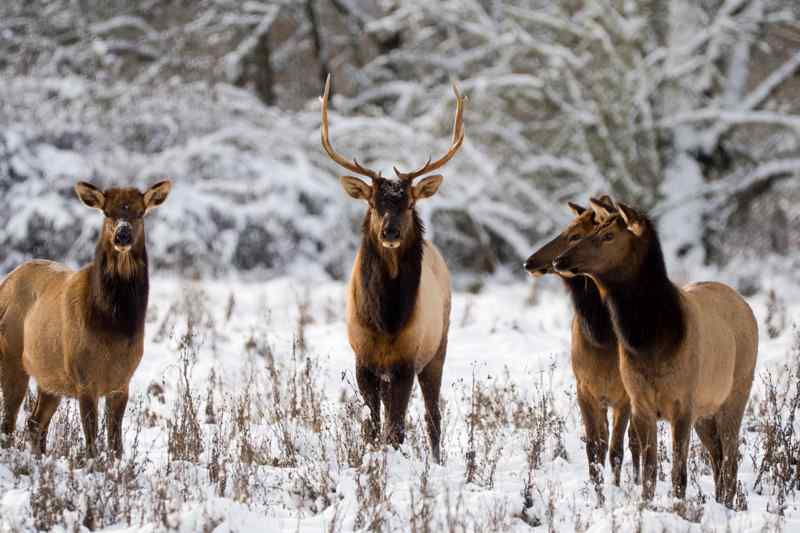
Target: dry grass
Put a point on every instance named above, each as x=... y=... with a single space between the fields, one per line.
x=280 y=438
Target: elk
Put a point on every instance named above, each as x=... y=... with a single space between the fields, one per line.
x=398 y=295
x=687 y=354
x=593 y=350
x=80 y=334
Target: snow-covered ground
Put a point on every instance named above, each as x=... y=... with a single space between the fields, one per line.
x=256 y=446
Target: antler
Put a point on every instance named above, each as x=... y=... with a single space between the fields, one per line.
x=352 y=166
x=458 y=138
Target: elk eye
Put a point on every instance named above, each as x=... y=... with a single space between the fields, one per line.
x=608 y=237
x=574 y=238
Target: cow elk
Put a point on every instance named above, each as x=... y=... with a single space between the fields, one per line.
x=80 y=333
x=398 y=296
x=593 y=348
x=687 y=354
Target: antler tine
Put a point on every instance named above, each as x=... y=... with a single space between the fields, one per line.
x=458 y=139
x=353 y=166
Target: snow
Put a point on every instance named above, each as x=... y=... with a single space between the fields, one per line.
x=497 y=338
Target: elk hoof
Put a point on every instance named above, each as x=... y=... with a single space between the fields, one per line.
x=368 y=431
x=397 y=436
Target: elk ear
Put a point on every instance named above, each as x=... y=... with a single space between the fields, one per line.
x=602 y=210
x=155 y=195
x=90 y=195
x=632 y=219
x=356 y=188
x=576 y=209
x=427 y=187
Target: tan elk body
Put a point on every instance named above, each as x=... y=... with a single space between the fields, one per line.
x=687 y=354
x=398 y=295
x=79 y=334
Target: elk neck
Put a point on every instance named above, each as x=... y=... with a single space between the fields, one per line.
x=593 y=316
x=389 y=278
x=119 y=288
x=645 y=305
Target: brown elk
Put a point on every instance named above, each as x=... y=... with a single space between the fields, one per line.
x=398 y=296
x=80 y=333
x=687 y=354
x=593 y=348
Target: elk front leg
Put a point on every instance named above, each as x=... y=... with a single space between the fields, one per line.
x=115 y=411
x=88 y=410
x=595 y=426
x=399 y=393
x=646 y=430
x=681 y=433
x=369 y=386
x=39 y=422
x=621 y=417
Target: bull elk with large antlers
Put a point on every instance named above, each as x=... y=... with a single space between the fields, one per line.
x=80 y=333
x=398 y=296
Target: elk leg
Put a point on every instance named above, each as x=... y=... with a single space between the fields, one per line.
x=596 y=427
x=430 y=383
x=617 y=454
x=115 y=411
x=635 y=448
x=681 y=433
x=646 y=431
x=707 y=431
x=398 y=396
x=369 y=386
x=13 y=386
x=39 y=422
x=729 y=421
x=88 y=410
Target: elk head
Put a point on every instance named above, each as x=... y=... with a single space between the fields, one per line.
x=124 y=210
x=391 y=201
x=613 y=251
x=585 y=222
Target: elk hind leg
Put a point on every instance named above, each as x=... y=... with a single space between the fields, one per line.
x=13 y=387
x=430 y=383
x=707 y=431
x=729 y=421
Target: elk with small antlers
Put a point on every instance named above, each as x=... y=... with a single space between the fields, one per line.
x=80 y=333
x=398 y=296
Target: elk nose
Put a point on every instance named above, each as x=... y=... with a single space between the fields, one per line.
x=529 y=264
x=390 y=234
x=560 y=263
x=123 y=236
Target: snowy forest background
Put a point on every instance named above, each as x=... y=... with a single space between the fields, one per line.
x=688 y=109
x=244 y=412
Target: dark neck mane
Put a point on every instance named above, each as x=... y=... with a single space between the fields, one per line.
x=385 y=304
x=118 y=302
x=593 y=316
x=646 y=309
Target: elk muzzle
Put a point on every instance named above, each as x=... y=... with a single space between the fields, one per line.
x=123 y=236
x=563 y=264
x=391 y=233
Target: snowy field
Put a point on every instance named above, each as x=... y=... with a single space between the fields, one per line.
x=266 y=437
